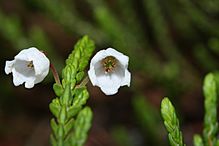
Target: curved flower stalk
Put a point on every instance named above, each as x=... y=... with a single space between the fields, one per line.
x=109 y=71
x=30 y=66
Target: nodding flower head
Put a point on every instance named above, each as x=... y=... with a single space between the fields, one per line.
x=30 y=66
x=109 y=71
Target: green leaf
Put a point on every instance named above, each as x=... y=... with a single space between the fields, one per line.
x=63 y=115
x=80 y=75
x=53 y=140
x=54 y=126
x=82 y=125
x=65 y=99
x=81 y=96
x=69 y=126
x=60 y=135
x=54 y=107
x=58 y=89
x=72 y=111
x=198 y=140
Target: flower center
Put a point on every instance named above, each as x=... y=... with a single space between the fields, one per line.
x=109 y=64
x=30 y=64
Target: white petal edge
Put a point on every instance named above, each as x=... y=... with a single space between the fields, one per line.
x=29 y=84
x=109 y=84
x=17 y=78
x=110 y=91
x=123 y=59
x=9 y=66
x=92 y=76
x=97 y=57
x=40 y=78
x=126 y=79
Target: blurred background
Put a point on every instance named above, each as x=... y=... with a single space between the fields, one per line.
x=171 y=44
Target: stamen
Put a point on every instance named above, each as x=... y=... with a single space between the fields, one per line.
x=109 y=64
x=30 y=65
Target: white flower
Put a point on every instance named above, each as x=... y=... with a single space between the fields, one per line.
x=108 y=70
x=30 y=66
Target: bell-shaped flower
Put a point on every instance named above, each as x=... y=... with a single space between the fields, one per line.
x=30 y=66
x=109 y=71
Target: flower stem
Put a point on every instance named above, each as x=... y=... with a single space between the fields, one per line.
x=84 y=82
x=55 y=74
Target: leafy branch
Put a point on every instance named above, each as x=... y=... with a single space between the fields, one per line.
x=72 y=121
x=209 y=137
x=210 y=119
x=171 y=123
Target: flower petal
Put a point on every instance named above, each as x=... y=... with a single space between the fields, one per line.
x=29 y=84
x=21 y=76
x=92 y=76
x=98 y=56
x=109 y=91
x=41 y=63
x=127 y=79
x=123 y=59
x=40 y=78
x=9 y=66
x=17 y=78
x=109 y=83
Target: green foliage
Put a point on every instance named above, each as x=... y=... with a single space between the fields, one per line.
x=81 y=127
x=153 y=10
x=198 y=140
x=13 y=31
x=69 y=18
x=210 y=131
x=72 y=121
x=213 y=43
x=149 y=119
x=121 y=136
x=210 y=119
x=199 y=18
x=205 y=58
x=171 y=123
